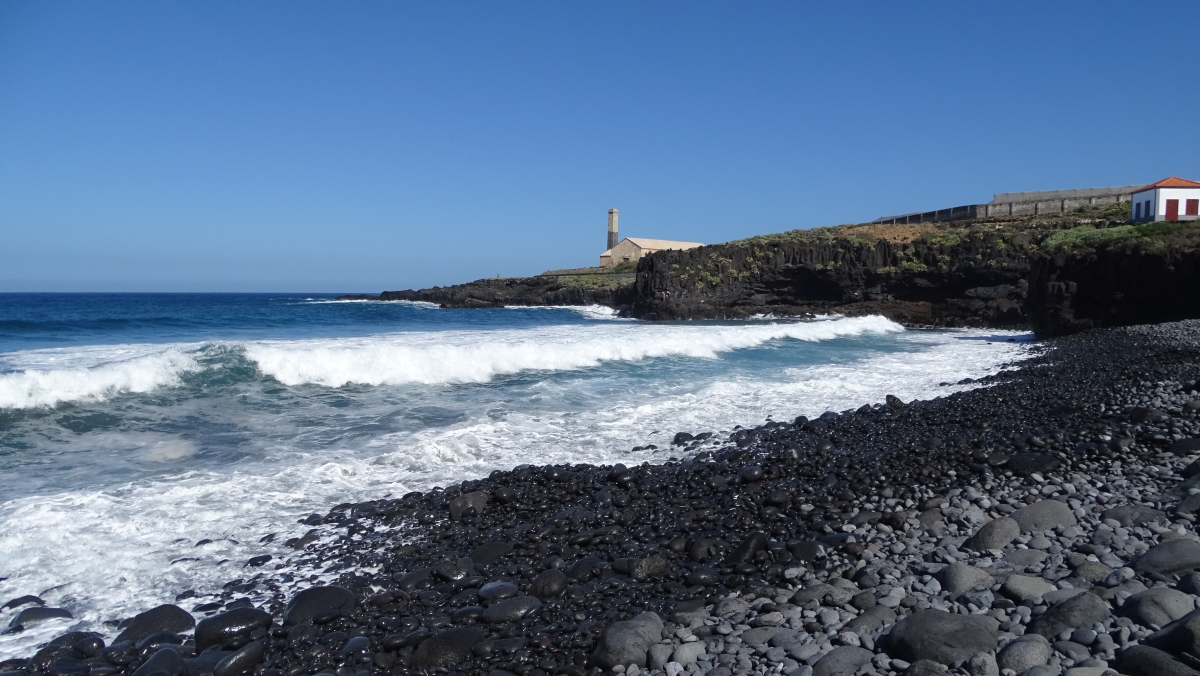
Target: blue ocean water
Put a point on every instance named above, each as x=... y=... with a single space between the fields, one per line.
x=133 y=426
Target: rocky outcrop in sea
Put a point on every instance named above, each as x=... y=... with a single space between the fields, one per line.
x=1041 y=524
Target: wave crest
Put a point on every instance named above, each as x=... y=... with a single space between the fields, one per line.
x=477 y=357
x=37 y=388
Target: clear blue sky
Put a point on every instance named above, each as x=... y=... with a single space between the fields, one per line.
x=360 y=146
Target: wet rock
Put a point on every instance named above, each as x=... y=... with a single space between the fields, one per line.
x=732 y=609
x=960 y=577
x=1157 y=607
x=628 y=642
x=447 y=648
x=1025 y=652
x=205 y=662
x=453 y=569
x=22 y=601
x=490 y=551
x=1141 y=660
x=842 y=661
x=473 y=503
x=753 y=544
x=165 y=660
x=1079 y=611
x=939 y=636
x=166 y=617
x=238 y=623
x=1170 y=558
x=511 y=610
x=549 y=584
x=246 y=658
x=37 y=614
x=158 y=639
x=750 y=474
x=994 y=534
x=315 y=602
x=1044 y=515
x=652 y=566
x=496 y=591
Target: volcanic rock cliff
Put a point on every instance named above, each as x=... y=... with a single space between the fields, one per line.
x=955 y=274
x=1119 y=276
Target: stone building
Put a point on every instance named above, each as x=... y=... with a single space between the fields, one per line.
x=1171 y=199
x=633 y=248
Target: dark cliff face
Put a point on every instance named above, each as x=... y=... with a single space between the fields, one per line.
x=952 y=275
x=1115 y=286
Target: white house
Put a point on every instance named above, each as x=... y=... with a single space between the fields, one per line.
x=1171 y=199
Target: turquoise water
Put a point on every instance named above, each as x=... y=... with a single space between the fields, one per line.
x=134 y=425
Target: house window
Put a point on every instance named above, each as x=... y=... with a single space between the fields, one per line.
x=1193 y=208
x=1149 y=213
x=1137 y=210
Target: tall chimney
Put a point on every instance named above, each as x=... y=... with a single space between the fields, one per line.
x=612 y=228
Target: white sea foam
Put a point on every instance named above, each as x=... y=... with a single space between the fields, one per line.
x=479 y=356
x=40 y=387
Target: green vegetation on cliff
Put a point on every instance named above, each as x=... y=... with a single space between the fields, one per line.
x=1155 y=236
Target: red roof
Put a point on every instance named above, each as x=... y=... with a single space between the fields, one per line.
x=1172 y=182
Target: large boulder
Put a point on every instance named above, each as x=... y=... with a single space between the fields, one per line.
x=166 y=617
x=1025 y=652
x=317 y=601
x=229 y=625
x=1025 y=589
x=511 y=610
x=628 y=642
x=471 y=503
x=1082 y=610
x=166 y=661
x=842 y=661
x=1169 y=558
x=1182 y=635
x=1131 y=515
x=939 y=636
x=994 y=534
x=1157 y=607
x=549 y=584
x=1141 y=660
x=1044 y=515
x=246 y=658
x=446 y=648
x=960 y=577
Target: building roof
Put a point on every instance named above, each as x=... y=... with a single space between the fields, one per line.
x=1171 y=182
x=643 y=243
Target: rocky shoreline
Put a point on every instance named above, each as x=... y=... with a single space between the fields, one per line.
x=1042 y=524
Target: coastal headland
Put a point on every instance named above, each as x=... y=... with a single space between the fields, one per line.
x=1057 y=274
